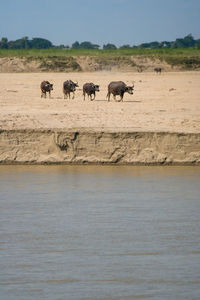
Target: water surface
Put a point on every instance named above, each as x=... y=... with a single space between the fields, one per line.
x=85 y=232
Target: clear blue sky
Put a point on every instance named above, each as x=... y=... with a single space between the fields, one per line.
x=115 y=21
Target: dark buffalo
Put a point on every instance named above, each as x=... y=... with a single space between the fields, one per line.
x=69 y=87
x=158 y=70
x=90 y=89
x=45 y=87
x=119 y=88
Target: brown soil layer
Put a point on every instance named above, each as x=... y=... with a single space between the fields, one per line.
x=79 y=147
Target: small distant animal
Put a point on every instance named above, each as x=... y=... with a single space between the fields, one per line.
x=119 y=88
x=90 y=89
x=69 y=87
x=158 y=70
x=140 y=69
x=46 y=87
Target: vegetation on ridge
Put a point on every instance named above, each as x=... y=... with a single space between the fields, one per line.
x=63 y=58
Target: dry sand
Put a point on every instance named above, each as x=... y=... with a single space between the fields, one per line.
x=168 y=103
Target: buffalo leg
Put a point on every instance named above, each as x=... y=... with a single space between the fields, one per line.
x=121 y=96
x=91 y=97
x=43 y=95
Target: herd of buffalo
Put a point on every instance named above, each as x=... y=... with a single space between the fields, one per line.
x=115 y=88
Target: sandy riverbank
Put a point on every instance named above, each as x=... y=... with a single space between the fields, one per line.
x=159 y=124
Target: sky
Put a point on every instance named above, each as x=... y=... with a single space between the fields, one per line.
x=105 y=21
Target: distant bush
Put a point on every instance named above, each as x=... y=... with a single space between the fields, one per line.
x=125 y=47
x=109 y=47
x=84 y=45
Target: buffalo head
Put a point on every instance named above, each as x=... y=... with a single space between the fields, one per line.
x=96 y=87
x=129 y=89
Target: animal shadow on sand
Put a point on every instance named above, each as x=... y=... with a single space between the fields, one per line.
x=133 y=101
x=118 y=101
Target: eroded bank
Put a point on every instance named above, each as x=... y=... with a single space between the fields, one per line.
x=89 y=147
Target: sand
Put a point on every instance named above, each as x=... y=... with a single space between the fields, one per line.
x=166 y=105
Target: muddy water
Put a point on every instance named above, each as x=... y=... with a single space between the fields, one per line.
x=99 y=232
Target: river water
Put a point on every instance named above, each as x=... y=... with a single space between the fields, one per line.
x=99 y=232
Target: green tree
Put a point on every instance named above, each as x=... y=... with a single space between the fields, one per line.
x=109 y=46
x=165 y=44
x=4 y=43
x=189 y=41
x=25 y=42
x=88 y=45
x=76 y=45
x=144 y=45
x=154 y=45
x=22 y=43
x=40 y=43
x=125 y=47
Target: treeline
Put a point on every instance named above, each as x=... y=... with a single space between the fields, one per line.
x=40 y=43
x=187 y=42
x=25 y=43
